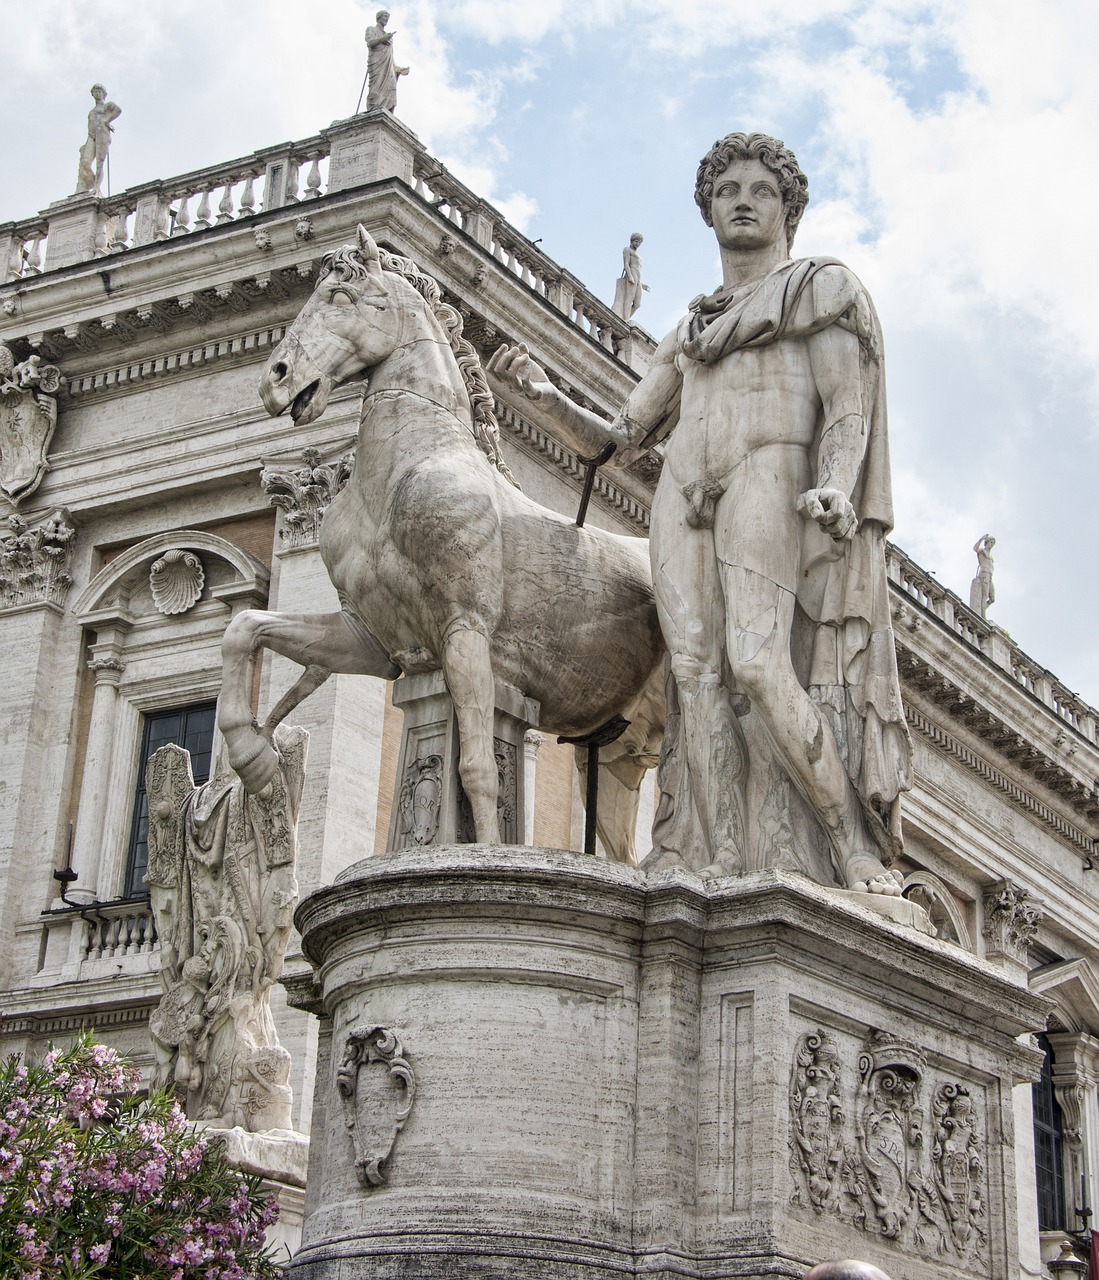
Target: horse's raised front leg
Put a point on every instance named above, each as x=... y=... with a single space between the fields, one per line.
x=467 y=668
x=323 y=643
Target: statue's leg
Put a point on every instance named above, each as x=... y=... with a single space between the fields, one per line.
x=328 y=641
x=467 y=668
x=761 y=614
x=691 y=605
x=623 y=766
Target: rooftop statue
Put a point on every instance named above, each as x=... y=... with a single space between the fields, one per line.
x=93 y=154
x=982 y=592
x=439 y=560
x=628 y=286
x=767 y=545
x=382 y=72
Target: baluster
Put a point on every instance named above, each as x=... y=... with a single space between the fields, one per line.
x=292 y=182
x=202 y=216
x=183 y=218
x=34 y=257
x=102 y=235
x=225 y=208
x=121 y=238
x=313 y=181
x=248 y=197
x=498 y=251
x=527 y=278
x=456 y=215
x=419 y=187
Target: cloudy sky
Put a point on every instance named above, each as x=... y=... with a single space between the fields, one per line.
x=952 y=148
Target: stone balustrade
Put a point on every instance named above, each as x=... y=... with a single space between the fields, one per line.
x=992 y=641
x=119 y=929
x=518 y=255
x=164 y=209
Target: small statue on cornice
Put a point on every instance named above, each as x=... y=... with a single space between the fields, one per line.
x=28 y=418
x=381 y=69
x=982 y=593
x=628 y=287
x=93 y=154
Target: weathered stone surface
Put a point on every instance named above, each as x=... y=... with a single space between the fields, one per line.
x=621 y=1074
x=787 y=743
x=439 y=561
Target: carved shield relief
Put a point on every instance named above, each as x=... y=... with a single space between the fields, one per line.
x=378 y=1087
x=27 y=423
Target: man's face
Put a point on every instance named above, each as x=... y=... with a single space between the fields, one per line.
x=747 y=209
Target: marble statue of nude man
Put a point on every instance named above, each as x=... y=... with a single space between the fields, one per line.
x=767 y=539
x=93 y=154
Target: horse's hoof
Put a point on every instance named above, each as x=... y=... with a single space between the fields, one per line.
x=255 y=769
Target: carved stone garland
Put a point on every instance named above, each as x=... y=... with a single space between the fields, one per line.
x=859 y=1152
x=376 y=1103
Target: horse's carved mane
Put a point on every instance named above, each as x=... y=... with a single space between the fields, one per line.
x=348 y=262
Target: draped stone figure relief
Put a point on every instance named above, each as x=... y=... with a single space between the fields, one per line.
x=223 y=888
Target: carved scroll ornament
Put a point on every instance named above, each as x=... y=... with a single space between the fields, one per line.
x=376 y=1102
x=816 y=1112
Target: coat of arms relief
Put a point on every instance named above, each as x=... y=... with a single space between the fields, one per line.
x=28 y=417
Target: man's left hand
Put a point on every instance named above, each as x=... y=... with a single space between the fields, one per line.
x=831 y=509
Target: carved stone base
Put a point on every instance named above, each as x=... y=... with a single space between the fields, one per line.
x=429 y=806
x=543 y=1065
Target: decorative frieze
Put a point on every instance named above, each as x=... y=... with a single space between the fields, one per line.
x=880 y=1150
x=304 y=493
x=1012 y=918
x=34 y=562
x=376 y=1103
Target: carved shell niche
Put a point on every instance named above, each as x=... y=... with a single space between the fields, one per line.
x=176 y=581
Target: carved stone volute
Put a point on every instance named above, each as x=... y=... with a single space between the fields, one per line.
x=304 y=493
x=1012 y=918
x=34 y=562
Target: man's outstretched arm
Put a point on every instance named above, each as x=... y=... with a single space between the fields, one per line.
x=649 y=414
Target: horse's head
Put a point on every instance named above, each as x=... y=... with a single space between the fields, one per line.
x=347 y=326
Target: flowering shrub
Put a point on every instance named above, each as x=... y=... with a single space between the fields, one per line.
x=96 y=1180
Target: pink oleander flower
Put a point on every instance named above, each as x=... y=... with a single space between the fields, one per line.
x=97 y=1180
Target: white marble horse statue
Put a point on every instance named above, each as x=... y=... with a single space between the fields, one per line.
x=439 y=560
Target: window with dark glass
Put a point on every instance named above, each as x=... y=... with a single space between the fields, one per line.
x=1049 y=1143
x=191 y=727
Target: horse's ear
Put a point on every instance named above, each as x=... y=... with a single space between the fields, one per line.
x=367 y=246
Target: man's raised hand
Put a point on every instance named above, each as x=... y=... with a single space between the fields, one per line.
x=514 y=366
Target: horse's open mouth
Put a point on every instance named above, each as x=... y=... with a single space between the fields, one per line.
x=304 y=399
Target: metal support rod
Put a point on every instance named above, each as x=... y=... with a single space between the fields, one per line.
x=601 y=737
x=593 y=464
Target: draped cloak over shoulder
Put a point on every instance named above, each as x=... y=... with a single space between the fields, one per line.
x=842 y=588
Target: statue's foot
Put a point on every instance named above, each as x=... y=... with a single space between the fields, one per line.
x=866 y=874
x=723 y=866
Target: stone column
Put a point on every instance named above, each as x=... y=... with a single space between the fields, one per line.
x=429 y=805
x=98 y=783
x=532 y=740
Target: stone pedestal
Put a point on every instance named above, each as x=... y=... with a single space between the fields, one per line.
x=370 y=147
x=429 y=805
x=538 y=1064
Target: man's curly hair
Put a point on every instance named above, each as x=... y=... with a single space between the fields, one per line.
x=772 y=154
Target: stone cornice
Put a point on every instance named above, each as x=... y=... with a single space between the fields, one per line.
x=945 y=742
